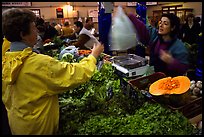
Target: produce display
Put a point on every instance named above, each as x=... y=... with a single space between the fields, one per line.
x=172 y=91
x=102 y=107
x=101 y=95
x=150 y=119
x=84 y=52
x=195 y=89
x=169 y=85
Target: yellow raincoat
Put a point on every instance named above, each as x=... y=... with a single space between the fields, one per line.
x=5 y=46
x=31 y=83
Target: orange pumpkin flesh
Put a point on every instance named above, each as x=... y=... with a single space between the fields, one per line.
x=168 y=85
x=84 y=52
x=184 y=84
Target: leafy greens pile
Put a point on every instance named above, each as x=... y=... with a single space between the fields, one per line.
x=150 y=119
x=101 y=95
x=89 y=109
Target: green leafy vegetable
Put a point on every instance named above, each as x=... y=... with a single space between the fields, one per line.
x=102 y=107
x=150 y=119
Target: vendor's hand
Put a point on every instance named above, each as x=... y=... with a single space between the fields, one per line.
x=97 y=50
x=166 y=57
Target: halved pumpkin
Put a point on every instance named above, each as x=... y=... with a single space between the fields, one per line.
x=169 y=85
x=171 y=91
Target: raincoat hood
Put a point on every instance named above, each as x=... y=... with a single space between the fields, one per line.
x=5 y=46
x=12 y=62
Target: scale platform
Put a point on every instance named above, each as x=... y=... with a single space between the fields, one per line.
x=130 y=65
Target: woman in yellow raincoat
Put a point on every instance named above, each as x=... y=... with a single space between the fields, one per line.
x=31 y=82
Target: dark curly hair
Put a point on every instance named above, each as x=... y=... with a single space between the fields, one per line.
x=79 y=24
x=88 y=19
x=66 y=23
x=174 y=22
x=16 y=21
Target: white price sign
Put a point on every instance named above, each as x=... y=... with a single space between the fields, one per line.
x=16 y=4
x=131 y=3
x=151 y=3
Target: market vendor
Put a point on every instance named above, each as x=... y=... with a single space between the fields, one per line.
x=85 y=40
x=168 y=54
x=31 y=82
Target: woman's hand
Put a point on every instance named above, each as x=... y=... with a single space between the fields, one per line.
x=97 y=50
x=166 y=57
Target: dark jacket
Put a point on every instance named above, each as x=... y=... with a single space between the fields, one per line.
x=175 y=47
x=191 y=34
x=50 y=33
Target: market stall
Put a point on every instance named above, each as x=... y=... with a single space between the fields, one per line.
x=111 y=103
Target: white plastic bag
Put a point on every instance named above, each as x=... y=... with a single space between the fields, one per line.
x=123 y=33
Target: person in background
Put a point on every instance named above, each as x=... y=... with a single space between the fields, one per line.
x=150 y=21
x=39 y=45
x=168 y=54
x=40 y=21
x=198 y=20
x=191 y=30
x=77 y=28
x=31 y=82
x=156 y=22
x=50 y=31
x=66 y=30
x=58 y=27
x=85 y=39
x=89 y=25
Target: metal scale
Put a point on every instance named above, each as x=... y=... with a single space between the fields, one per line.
x=130 y=65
